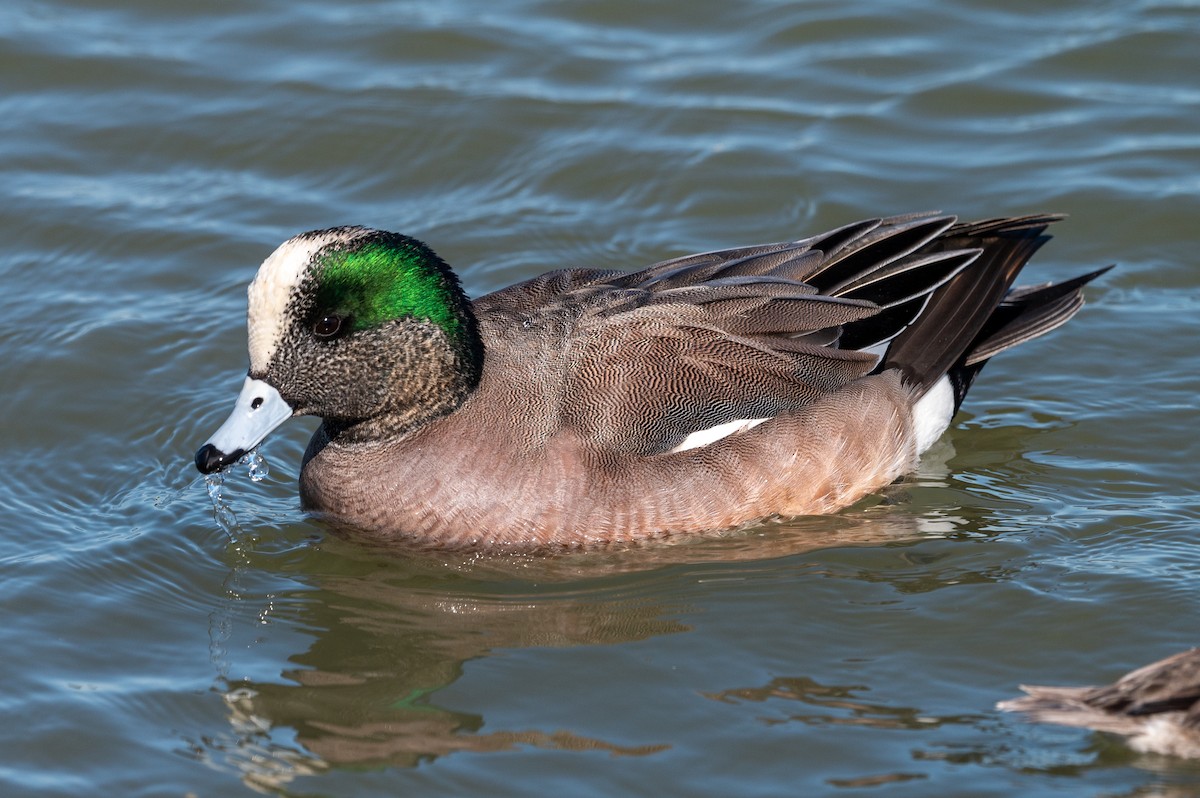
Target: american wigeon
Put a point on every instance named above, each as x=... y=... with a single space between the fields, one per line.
x=1157 y=706
x=591 y=407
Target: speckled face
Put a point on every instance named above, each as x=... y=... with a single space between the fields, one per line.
x=365 y=328
x=350 y=322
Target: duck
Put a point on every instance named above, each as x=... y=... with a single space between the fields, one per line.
x=1156 y=707
x=591 y=407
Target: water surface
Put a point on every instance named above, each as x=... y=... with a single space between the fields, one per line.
x=154 y=154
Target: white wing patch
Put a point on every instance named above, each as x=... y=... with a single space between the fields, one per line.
x=706 y=436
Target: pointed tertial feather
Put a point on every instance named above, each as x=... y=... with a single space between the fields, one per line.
x=786 y=262
x=884 y=326
x=1002 y=224
x=754 y=290
x=789 y=260
x=689 y=269
x=908 y=277
x=733 y=288
x=833 y=242
x=794 y=264
x=902 y=289
x=801 y=345
x=876 y=248
x=829 y=241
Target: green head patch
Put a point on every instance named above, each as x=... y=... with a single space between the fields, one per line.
x=387 y=276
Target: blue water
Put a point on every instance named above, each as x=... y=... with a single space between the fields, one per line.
x=154 y=154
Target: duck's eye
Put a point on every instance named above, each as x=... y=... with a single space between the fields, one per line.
x=328 y=326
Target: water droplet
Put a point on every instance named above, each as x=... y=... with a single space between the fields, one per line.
x=258 y=467
x=213 y=482
x=221 y=511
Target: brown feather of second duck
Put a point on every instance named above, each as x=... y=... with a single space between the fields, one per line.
x=1156 y=706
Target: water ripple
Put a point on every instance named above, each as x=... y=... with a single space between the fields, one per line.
x=155 y=154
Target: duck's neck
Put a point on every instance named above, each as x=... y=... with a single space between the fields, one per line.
x=433 y=377
x=390 y=426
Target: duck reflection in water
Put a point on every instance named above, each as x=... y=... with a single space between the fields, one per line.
x=389 y=636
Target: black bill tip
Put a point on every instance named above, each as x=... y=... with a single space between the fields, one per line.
x=210 y=458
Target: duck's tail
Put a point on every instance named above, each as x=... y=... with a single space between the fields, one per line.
x=977 y=313
x=1024 y=314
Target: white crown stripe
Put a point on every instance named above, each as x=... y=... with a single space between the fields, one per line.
x=274 y=286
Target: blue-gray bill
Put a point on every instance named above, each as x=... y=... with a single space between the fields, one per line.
x=259 y=409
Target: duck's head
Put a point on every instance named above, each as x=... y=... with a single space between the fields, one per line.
x=367 y=329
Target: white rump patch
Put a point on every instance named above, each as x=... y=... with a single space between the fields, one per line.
x=706 y=436
x=932 y=414
x=272 y=289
